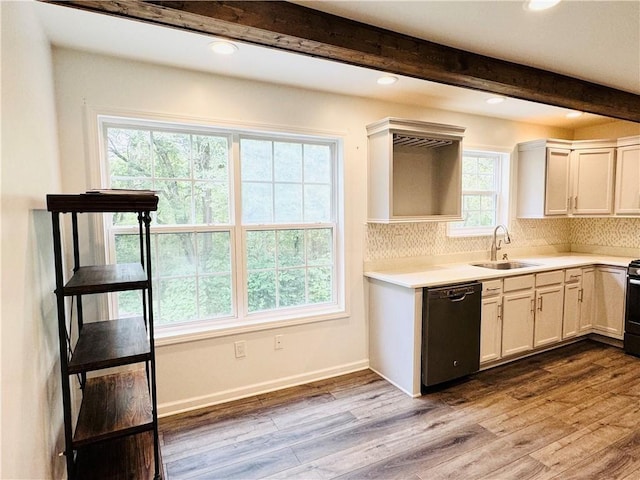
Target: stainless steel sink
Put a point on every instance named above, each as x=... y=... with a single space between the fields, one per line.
x=504 y=265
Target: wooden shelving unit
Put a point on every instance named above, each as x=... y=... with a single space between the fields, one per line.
x=116 y=425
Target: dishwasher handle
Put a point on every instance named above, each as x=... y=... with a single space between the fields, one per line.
x=458 y=298
x=454 y=293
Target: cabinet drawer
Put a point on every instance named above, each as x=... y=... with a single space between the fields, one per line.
x=572 y=275
x=521 y=282
x=491 y=287
x=549 y=278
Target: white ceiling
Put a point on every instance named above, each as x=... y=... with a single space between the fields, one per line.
x=595 y=41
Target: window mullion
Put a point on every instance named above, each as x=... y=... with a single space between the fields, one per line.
x=302 y=183
x=277 y=267
x=238 y=256
x=273 y=182
x=192 y=203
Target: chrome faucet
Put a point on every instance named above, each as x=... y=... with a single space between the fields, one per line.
x=495 y=245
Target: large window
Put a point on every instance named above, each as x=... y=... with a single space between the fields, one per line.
x=484 y=203
x=246 y=227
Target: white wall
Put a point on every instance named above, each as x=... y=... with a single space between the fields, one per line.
x=31 y=428
x=206 y=371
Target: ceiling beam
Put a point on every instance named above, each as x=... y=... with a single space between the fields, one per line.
x=294 y=28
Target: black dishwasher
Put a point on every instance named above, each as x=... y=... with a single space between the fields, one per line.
x=450 y=332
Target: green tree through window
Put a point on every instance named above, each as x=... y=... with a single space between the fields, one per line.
x=283 y=225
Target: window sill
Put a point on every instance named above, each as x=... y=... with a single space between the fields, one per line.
x=169 y=335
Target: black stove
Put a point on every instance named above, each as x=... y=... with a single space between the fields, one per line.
x=632 y=315
x=634 y=268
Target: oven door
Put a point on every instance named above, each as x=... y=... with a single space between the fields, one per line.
x=632 y=317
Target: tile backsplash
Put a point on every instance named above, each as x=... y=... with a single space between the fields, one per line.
x=606 y=232
x=388 y=241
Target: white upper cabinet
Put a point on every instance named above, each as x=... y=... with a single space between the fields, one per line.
x=560 y=178
x=557 y=184
x=593 y=181
x=628 y=176
x=543 y=182
x=414 y=171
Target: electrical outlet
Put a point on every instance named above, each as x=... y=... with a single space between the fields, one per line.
x=241 y=349
x=279 y=342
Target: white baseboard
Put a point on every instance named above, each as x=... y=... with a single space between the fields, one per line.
x=414 y=395
x=180 y=406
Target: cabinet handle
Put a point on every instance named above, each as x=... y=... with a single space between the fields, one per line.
x=499 y=311
x=575 y=202
x=540 y=303
x=493 y=289
x=568 y=203
x=580 y=293
x=533 y=305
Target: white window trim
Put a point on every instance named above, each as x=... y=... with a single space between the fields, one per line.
x=239 y=323
x=504 y=187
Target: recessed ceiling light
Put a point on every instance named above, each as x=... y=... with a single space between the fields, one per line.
x=222 y=47
x=574 y=114
x=538 y=5
x=387 y=80
x=495 y=100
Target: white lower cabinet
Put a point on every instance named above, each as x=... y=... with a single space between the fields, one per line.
x=525 y=312
x=587 y=299
x=572 y=302
x=518 y=305
x=610 y=287
x=549 y=308
x=548 y=318
x=491 y=326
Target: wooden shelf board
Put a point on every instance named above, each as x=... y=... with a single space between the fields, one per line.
x=114 y=406
x=142 y=201
x=106 y=278
x=110 y=343
x=125 y=458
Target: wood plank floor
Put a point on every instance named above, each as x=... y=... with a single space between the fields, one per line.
x=573 y=413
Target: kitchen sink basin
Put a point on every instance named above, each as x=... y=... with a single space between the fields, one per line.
x=504 y=265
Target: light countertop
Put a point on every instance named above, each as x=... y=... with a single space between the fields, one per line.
x=435 y=275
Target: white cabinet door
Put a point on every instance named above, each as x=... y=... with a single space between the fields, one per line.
x=548 y=318
x=593 y=181
x=611 y=283
x=557 y=191
x=491 y=329
x=517 y=322
x=628 y=180
x=587 y=301
x=571 y=318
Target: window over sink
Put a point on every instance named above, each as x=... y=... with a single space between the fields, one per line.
x=485 y=183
